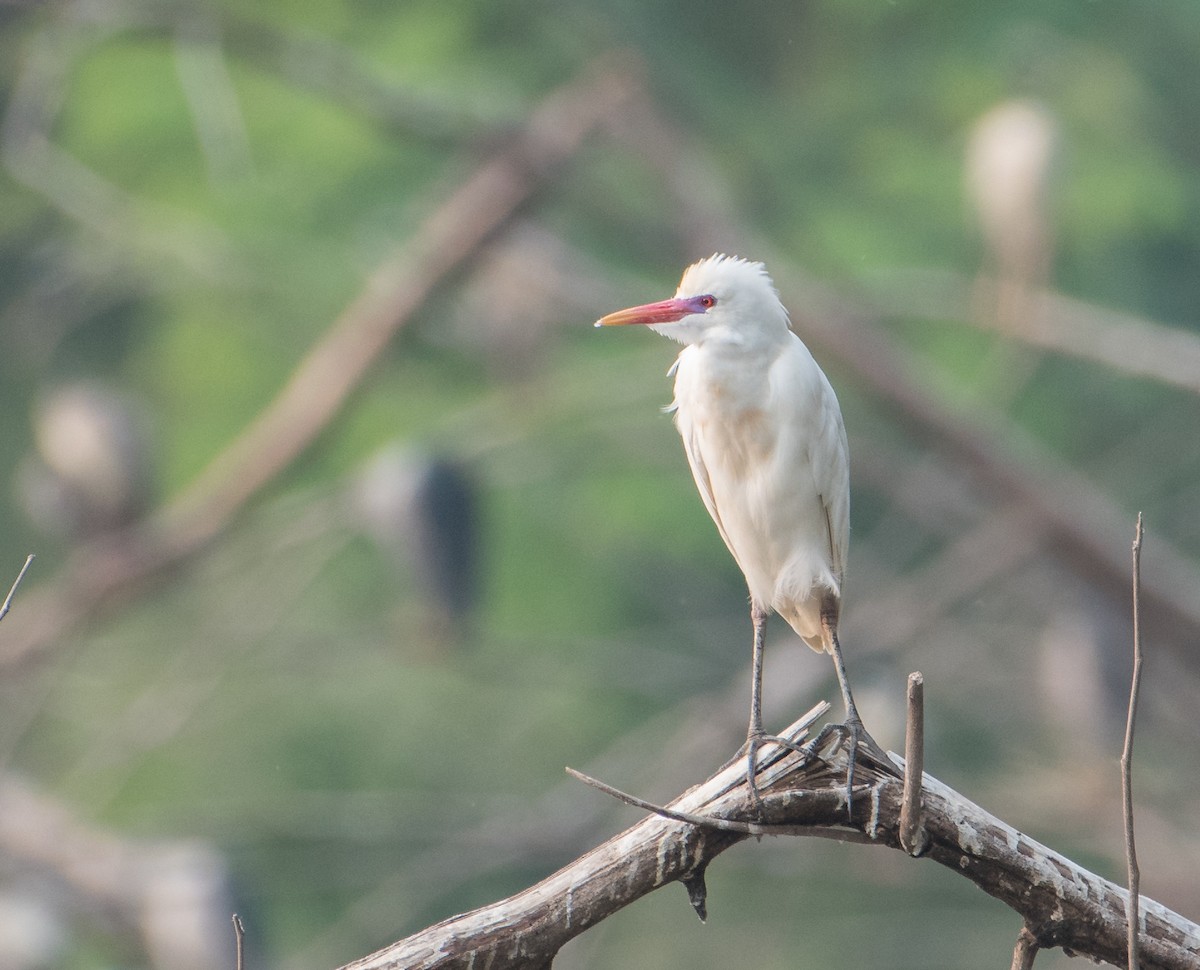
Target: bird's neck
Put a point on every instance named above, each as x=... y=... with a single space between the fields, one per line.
x=742 y=348
x=724 y=373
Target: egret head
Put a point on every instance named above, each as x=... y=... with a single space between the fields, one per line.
x=718 y=293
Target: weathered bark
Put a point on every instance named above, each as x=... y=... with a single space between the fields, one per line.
x=1062 y=903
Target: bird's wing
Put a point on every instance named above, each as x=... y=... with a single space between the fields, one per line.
x=695 y=457
x=815 y=447
x=831 y=471
x=689 y=432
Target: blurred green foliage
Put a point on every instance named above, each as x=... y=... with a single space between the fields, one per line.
x=220 y=183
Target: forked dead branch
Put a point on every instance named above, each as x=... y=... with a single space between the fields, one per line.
x=1061 y=903
x=803 y=792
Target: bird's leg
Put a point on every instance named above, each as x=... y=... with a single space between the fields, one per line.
x=853 y=729
x=852 y=717
x=758 y=617
x=755 y=735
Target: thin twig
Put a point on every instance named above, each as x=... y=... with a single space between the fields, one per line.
x=1131 y=907
x=16 y=582
x=239 y=936
x=794 y=733
x=691 y=818
x=1025 y=950
x=912 y=825
x=741 y=826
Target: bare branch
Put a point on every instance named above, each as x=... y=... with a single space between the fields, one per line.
x=135 y=883
x=912 y=826
x=768 y=769
x=691 y=818
x=334 y=367
x=1061 y=903
x=1025 y=950
x=239 y=937
x=4 y=607
x=1122 y=341
x=1127 y=754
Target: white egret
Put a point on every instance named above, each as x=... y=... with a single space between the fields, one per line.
x=765 y=441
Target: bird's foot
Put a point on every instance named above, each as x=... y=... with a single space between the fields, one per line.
x=853 y=735
x=753 y=743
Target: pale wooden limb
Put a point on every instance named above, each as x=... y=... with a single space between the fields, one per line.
x=171 y=896
x=682 y=734
x=1061 y=903
x=528 y=929
x=7 y=604
x=336 y=364
x=239 y=941
x=1025 y=950
x=1134 y=874
x=912 y=827
x=1124 y=342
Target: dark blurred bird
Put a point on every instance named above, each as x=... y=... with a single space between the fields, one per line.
x=763 y=434
x=425 y=508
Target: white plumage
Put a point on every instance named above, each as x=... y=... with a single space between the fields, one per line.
x=764 y=437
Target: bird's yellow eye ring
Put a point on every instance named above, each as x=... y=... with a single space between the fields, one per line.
x=708 y=302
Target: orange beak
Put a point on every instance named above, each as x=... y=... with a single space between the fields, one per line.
x=664 y=311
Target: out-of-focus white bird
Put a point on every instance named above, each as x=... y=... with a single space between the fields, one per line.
x=92 y=469
x=764 y=437
x=1009 y=173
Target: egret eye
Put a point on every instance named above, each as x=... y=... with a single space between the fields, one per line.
x=708 y=302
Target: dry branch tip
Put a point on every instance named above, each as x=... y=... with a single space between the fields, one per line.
x=1134 y=875
x=239 y=937
x=4 y=608
x=913 y=837
x=1025 y=950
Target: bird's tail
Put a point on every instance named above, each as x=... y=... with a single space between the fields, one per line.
x=805 y=619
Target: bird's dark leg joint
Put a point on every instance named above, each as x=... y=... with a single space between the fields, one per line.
x=753 y=744
x=820 y=747
x=913 y=837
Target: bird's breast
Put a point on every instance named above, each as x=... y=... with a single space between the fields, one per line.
x=764 y=439
x=738 y=439
x=726 y=411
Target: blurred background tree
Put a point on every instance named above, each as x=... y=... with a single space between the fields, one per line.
x=345 y=712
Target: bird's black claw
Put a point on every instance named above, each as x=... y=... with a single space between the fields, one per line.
x=753 y=743
x=853 y=735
